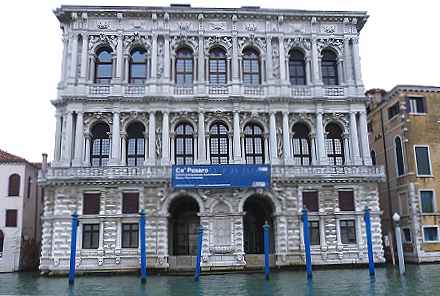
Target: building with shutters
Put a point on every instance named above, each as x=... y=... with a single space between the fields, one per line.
x=404 y=136
x=20 y=209
x=146 y=89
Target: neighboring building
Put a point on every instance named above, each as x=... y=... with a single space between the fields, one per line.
x=20 y=209
x=145 y=88
x=404 y=131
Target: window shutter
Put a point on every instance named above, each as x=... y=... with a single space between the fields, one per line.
x=91 y=203
x=130 y=203
x=346 y=200
x=310 y=201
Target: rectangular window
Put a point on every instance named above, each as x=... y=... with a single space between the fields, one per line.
x=11 y=218
x=430 y=233
x=393 y=110
x=416 y=105
x=130 y=235
x=423 y=162
x=314 y=233
x=427 y=200
x=311 y=201
x=346 y=200
x=91 y=203
x=406 y=235
x=130 y=203
x=348 y=231
x=90 y=236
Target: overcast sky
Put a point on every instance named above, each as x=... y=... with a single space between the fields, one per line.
x=398 y=45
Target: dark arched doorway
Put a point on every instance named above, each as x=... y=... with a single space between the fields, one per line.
x=184 y=224
x=258 y=209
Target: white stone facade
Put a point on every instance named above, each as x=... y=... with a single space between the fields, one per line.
x=160 y=104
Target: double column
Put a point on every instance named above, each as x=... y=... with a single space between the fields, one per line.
x=201 y=141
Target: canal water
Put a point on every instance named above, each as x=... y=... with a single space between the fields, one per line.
x=419 y=280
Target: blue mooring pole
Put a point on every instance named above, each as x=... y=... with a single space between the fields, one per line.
x=266 y=251
x=199 y=253
x=73 y=248
x=367 y=219
x=143 y=254
x=305 y=219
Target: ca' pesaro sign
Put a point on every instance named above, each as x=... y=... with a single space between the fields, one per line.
x=220 y=176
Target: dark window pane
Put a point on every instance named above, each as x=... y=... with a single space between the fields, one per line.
x=297 y=71
x=348 y=231
x=184 y=144
x=427 y=199
x=130 y=203
x=329 y=68
x=11 y=218
x=430 y=233
x=334 y=144
x=422 y=160
x=14 y=185
x=393 y=110
x=399 y=157
x=314 y=234
x=130 y=235
x=311 y=201
x=254 y=144
x=91 y=204
x=90 y=236
x=346 y=200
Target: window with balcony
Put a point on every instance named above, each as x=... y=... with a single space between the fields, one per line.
x=100 y=148
x=184 y=67
x=348 y=231
x=91 y=203
x=137 y=73
x=301 y=144
x=219 y=143
x=11 y=218
x=329 y=67
x=184 y=144
x=253 y=144
x=104 y=66
x=130 y=235
x=130 y=203
x=14 y=185
x=217 y=66
x=135 y=144
x=251 y=67
x=297 y=67
x=416 y=105
x=90 y=236
x=423 y=161
x=334 y=144
x=427 y=201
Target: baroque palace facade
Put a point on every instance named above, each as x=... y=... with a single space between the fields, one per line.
x=146 y=88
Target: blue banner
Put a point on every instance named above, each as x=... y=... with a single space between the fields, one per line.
x=220 y=176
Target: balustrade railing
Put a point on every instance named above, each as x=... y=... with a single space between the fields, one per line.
x=334 y=91
x=134 y=90
x=253 y=90
x=183 y=90
x=218 y=89
x=97 y=90
x=298 y=91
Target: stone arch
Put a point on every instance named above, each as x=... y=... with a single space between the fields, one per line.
x=257 y=121
x=339 y=123
x=304 y=121
x=130 y=121
x=276 y=206
x=182 y=119
x=333 y=49
x=175 y=195
x=94 y=122
x=214 y=120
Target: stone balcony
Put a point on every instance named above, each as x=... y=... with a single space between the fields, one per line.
x=163 y=173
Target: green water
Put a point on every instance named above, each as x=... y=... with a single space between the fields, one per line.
x=419 y=280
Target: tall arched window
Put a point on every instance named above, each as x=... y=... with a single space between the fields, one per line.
x=219 y=143
x=184 y=144
x=135 y=144
x=14 y=185
x=217 y=66
x=138 y=66
x=301 y=144
x=184 y=66
x=329 y=67
x=335 y=144
x=2 y=239
x=399 y=156
x=100 y=148
x=251 y=67
x=253 y=144
x=297 y=67
x=103 y=66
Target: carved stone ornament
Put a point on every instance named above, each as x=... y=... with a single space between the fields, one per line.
x=111 y=40
x=308 y=118
x=103 y=25
x=275 y=60
x=160 y=58
x=184 y=27
x=212 y=41
x=250 y=27
x=137 y=39
x=328 y=29
x=127 y=117
x=252 y=41
x=298 y=41
x=181 y=40
x=336 y=117
x=217 y=26
x=330 y=42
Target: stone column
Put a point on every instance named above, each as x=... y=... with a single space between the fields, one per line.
x=87 y=156
x=286 y=139
x=58 y=128
x=273 y=137
x=320 y=140
x=347 y=62
x=152 y=138
x=283 y=70
x=154 y=57
x=357 y=62
x=64 y=61
x=66 y=150
x=201 y=65
x=119 y=53
x=235 y=68
x=315 y=64
x=340 y=72
x=269 y=70
x=308 y=69
x=313 y=153
x=116 y=140
x=92 y=68
x=201 y=139
x=79 y=140
x=165 y=138
x=347 y=153
x=124 y=148
x=237 y=132
x=74 y=56
x=364 y=138
x=355 y=157
x=84 y=58
x=266 y=148
x=166 y=57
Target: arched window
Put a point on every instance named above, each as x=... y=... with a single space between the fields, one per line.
x=2 y=239
x=103 y=66
x=399 y=156
x=219 y=143
x=253 y=144
x=135 y=144
x=100 y=148
x=251 y=67
x=297 y=68
x=14 y=185
x=184 y=66
x=373 y=157
x=329 y=67
x=301 y=144
x=138 y=66
x=184 y=144
x=217 y=66
x=335 y=144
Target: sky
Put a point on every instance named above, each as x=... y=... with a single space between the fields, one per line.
x=400 y=44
